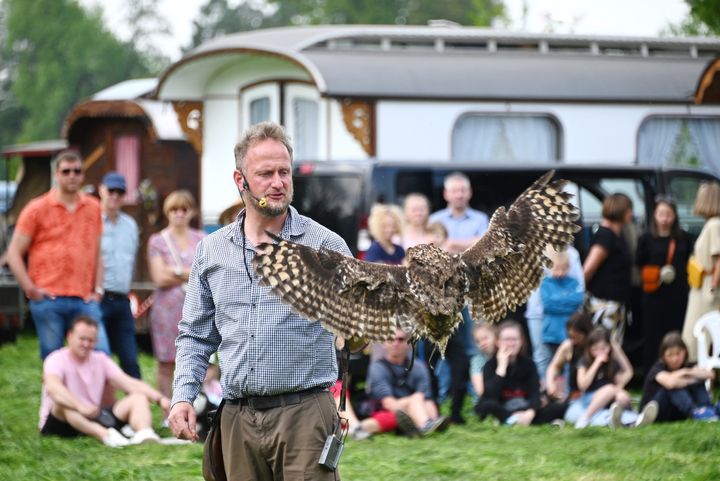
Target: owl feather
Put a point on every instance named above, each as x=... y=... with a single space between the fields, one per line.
x=362 y=300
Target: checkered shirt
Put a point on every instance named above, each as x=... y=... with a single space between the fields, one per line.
x=264 y=349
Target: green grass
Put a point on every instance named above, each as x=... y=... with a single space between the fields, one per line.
x=679 y=451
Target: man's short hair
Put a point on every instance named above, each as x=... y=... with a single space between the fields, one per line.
x=455 y=176
x=258 y=133
x=83 y=319
x=68 y=155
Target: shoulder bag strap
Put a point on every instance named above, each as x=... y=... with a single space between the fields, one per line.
x=171 y=247
x=671 y=251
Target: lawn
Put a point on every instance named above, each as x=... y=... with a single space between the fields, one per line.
x=682 y=451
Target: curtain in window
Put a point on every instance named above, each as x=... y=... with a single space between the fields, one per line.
x=259 y=110
x=496 y=137
x=306 y=129
x=657 y=139
x=705 y=134
x=127 y=163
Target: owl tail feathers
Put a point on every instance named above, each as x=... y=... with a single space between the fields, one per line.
x=438 y=329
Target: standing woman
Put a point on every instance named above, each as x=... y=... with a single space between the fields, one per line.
x=662 y=256
x=706 y=298
x=384 y=224
x=170 y=255
x=416 y=211
x=608 y=267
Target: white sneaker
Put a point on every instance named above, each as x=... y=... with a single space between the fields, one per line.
x=582 y=423
x=616 y=412
x=648 y=414
x=127 y=431
x=114 y=439
x=174 y=441
x=145 y=436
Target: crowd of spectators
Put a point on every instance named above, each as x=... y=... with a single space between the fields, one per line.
x=74 y=258
x=574 y=369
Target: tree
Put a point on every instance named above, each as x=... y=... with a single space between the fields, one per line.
x=703 y=20
x=218 y=18
x=55 y=63
x=707 y=12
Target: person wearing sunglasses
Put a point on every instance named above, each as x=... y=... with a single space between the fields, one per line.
x=119 y=250
x=60 y=232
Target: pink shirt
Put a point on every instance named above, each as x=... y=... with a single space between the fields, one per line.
x=84 y=379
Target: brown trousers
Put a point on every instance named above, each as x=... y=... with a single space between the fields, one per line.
x=280 y=444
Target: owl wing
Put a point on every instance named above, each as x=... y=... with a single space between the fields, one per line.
x=350 y=298
x=506 y=264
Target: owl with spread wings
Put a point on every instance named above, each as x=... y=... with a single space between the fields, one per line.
x=424 y=297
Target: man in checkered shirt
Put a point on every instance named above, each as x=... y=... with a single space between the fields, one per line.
x=275 y=366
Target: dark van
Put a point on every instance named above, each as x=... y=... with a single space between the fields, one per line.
x=339 y=195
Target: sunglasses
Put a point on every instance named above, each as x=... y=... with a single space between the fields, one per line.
x=178 y=209
x=76 y=171
x=116 y=191
x=400 y=339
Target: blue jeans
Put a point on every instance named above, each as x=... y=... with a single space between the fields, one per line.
x=678 y=404
x=120 y=325
x=542 y=355
x=53 y=316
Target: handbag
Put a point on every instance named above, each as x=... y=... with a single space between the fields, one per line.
x=650 y=274
x=213 y=467
x=696 y=272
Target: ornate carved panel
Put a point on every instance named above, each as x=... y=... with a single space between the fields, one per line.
x=359 y=118
x=190 y=116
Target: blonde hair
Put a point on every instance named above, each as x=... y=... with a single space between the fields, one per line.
x=707 y=200
x=378 y=212
x=437 y=229
x=178 y=199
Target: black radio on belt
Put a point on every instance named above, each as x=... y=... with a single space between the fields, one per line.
x=334 y=445
x=330 y=456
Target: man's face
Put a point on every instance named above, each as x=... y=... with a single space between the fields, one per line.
x=457 y=194
x=398 y=347
x=268 y=172
x=111 y=199
x=82 y=339
x=69 y=176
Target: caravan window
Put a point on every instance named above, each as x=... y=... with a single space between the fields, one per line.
x=259 y=110
x=490 y=137
x=680 y=142
x=305 y=133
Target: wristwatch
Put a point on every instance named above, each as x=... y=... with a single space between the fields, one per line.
x=99 y=290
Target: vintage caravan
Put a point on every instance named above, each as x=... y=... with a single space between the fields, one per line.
x=451 y=94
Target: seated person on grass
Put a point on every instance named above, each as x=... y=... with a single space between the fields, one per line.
x=407 y=394
x=511 y=386
x=602 y=374
x=678 y=388
x=74 y=380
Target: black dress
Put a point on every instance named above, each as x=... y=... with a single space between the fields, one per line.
x=664 y=309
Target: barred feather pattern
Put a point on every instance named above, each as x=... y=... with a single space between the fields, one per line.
x=362 y=300
x=507 y=264
x=351 y=298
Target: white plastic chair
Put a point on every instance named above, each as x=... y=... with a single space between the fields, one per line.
x=707 y=328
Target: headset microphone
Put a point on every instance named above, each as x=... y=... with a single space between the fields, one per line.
x=262 y=201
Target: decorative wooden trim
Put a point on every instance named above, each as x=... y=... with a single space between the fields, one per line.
x=190 y=117
x=359 y=118
x=708 y=89
x=94 y=156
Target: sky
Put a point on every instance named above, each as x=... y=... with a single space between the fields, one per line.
x=645 y=18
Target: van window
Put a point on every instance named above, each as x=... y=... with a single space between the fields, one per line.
x=485 y=137
x=333 y=201
x=680 y=142
x=684 y=188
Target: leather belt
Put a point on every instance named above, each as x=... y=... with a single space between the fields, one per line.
x=261 y=403
x=115 y=295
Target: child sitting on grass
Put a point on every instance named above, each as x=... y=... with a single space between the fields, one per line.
x=511 y=389
x=602 y=374
x=485 y=339
x=678 y=388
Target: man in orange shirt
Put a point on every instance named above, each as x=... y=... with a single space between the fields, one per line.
x=60 y=232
